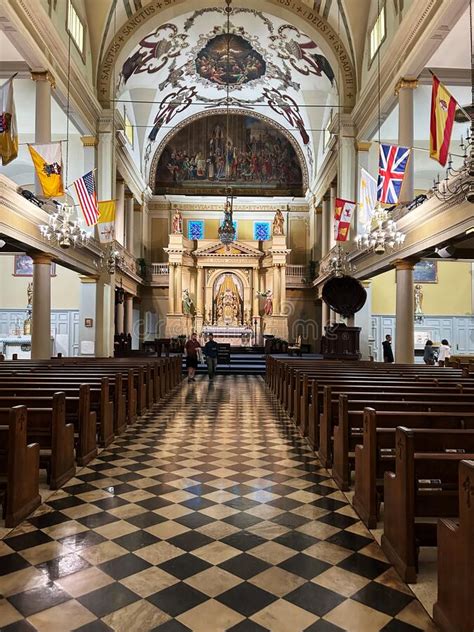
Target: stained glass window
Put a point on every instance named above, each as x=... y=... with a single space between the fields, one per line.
x=261 y=231
x=195 y=229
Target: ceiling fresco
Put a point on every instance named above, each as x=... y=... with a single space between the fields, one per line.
x=270 y=69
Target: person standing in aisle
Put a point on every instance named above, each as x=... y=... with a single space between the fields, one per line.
x=387 y=349
x=211 y=349
x=444 y=352
x=192 y=349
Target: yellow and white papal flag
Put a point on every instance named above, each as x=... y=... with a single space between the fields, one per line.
x=48 y=163
x=367 y=200
x=8 y=129
x=106 y=221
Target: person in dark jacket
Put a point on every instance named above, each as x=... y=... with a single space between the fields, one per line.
x=210 y=351
x=387 y=349
x=429 y=355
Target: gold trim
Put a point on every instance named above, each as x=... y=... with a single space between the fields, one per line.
x=362 y=145
x=405 y=83
x=405 y=264
x=89 y=141
x=42 y=258
x=93 y=278
x=43 y=75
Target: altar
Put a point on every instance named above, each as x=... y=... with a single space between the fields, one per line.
x=19 y=345
x=235 y=336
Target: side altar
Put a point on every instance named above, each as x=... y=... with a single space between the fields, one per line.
x=235 y=291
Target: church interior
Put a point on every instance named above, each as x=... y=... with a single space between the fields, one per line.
x=294 y=181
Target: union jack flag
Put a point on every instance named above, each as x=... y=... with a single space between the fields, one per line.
x=85 y=189
x=392 y=166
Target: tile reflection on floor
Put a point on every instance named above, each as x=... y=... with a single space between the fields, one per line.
x=210 y=513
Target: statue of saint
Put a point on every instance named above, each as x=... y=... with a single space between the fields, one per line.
x=29 y=293
x=268 y=306
x=418 y=300
x=278 y=223
x=188 y=304
x=177 y=223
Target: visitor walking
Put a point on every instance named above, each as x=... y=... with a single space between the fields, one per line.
x=387 y=349
x=211 y=349
x=444 y=352
x=192 y=349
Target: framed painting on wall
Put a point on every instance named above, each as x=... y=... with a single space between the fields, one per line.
x=23 y=266
x=426 y=272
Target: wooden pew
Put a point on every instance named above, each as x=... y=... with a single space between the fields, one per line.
x=19 y=468
x=454 y=609
x=348 y=429
x=48 y=427
x=413 y=495
x=375 y=453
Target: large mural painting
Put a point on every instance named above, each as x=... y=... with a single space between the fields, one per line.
x=253 y=158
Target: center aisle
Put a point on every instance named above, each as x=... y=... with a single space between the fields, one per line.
x=210 y=514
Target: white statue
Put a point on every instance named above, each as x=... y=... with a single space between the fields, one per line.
x=188 y=304
x=278 y=223
x=177 y=223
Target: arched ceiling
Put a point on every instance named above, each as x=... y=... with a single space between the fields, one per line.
x=181 y=69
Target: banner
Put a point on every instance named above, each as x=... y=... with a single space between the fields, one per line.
x=48 y=163
x=106 y=222
x=443 y=109
x=368 y=200
x=8 y=129
x=392 y=166
x=342 y=218
x=85 y=189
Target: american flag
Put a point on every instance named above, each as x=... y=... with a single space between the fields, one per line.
x=85 y=189
x=392 y=165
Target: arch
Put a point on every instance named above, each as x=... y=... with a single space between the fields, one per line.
x=239 y=111
x=295 y=11
x=217 y=272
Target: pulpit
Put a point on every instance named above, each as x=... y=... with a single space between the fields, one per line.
x=340 y=342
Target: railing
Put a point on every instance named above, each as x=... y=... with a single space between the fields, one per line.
x=159 y=269
x=297 y=271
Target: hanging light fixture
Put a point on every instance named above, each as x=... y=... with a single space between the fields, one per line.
x=382 y=233
x=63 y=228
x=459 y=183
x=227 y=230
x=339 y=264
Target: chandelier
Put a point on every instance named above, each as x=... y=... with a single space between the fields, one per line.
x=62 y=229
x=339 y=264
x=382 y=234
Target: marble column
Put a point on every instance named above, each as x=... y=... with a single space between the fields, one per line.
x=87 y=316
x=200 y=292
x=363 y=319
x=283 y=289
x=128 y=314
x=120 y=211
x=325 y=222
x=171 y=290
x=255 y=289
x=405 y=92
x=129 y=222
x=332 y=206
x=178 y=306
x=44 y=82
x=105 y=158
x=120 y=317
x=405 y=313
x=41 y=315
x=276 y=291
x=325 y=315
x=90 y=145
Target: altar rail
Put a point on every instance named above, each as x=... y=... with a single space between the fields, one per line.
x=296 y=275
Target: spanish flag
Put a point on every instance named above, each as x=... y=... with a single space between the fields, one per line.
x=48 y=163
x=443 y=109
x=106 y=221
x=8 y=129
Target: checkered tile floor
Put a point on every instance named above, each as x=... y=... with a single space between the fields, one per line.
x=209 y=514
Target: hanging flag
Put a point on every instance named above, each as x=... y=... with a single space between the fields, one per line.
x=368 y=199
x=342 y=218
x=392 y=166
x=443 y=109
x=48 y=163
x=8 y=129
x=85 y=189
x=106 y=221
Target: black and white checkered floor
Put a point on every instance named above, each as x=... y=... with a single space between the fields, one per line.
x=209 y=514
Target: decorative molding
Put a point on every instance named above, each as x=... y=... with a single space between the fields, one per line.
x=362 y=145
x=405 y=84
x=43 y=75
x=89 y=141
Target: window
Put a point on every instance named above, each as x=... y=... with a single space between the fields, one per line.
x=377 y=34
x=75 y=27
x=261 y=231
x=195 y=229
x=128 y=127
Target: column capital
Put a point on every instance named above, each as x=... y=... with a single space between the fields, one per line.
x=362 y=145
x=129 y=195
x=366 y=283
x=43 y=75
x=93 y=278
x=403 y=83
x=42 y=257
x=89 y=141
x=405 y=264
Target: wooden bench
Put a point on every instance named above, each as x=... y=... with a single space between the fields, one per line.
x=454 y=609
x=48 y=428
x=19 y=468
x=424 y=486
